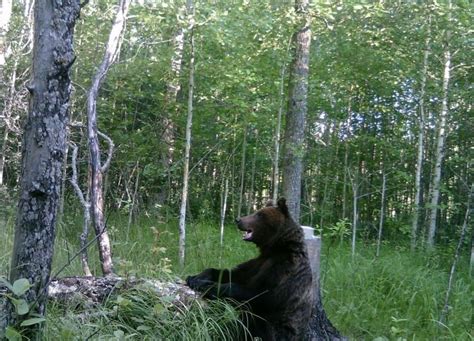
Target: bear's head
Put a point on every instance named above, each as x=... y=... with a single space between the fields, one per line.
x=267 y=224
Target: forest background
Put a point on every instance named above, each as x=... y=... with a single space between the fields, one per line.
x=387 y=160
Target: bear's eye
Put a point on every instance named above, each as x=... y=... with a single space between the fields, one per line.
x=260 y=214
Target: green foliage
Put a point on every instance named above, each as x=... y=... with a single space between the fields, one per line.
x=24 y=317
x=139 y=313
x=397 y=296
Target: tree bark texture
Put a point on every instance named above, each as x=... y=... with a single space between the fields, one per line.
x=440 y=146
x=421 y=141
x=96 y=167
x=296 y=114
x=44 y=144
x=187 y=151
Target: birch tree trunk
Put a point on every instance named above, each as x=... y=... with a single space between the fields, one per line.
x=223 y=210
x=172 y=89
x=421 y=141
x=44 y=144
x=12 y=51
x=355 y=194
x=382 y=212
x=96 y=167
x=440 y=146
x=5 y=15
x=189 y=122
x=296 y=114
x=242 y=173
x=276 y=159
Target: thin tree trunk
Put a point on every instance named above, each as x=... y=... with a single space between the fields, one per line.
x=189 y=122
x=5 y=15
x=344 y=185
x=421 y=141
x=251 y=196
x=296 y=114
x=172 y=90
x=355 y=190
x=471 y=267
x=242 y=173
x=382 y=212
x=224 y=208
x=276 y=159
x=97 y=169
x=133 y=199
x=4 y=152
x=86 y=205
x=444 y=311
x=440 y=146
x=44 y=144
x=7 y=114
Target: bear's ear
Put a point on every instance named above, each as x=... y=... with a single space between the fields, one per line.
x=269 y=203
x=282 y=206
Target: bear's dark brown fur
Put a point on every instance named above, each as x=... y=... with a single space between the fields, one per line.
x=277 y=285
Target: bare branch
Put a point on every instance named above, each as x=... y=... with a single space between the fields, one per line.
x=110 y=153
x=73 y=180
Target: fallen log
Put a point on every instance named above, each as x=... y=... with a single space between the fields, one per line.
x=95 y=290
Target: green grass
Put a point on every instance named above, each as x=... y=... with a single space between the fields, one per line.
x=395 y=297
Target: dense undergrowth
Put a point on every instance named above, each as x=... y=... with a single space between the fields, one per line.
x=398 y=296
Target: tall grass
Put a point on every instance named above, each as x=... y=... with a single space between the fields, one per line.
x=395 y=297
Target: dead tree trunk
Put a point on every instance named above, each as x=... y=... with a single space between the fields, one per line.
x=86 y=205
x=44 y=144
x=97 y=168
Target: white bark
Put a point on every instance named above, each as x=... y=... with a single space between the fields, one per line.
x=276 y=158
x=440 y=149
x=242 y=173
x=189 y=122
x=382 y=212
x=86 y=206
x=354 y=216
x=97 y=169
x=5 y=15
x=223 y=210
x=421 y=141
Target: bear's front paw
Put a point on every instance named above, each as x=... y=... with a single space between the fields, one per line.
x=196 y=283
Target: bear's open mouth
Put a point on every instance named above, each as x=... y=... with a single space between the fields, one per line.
x=248 y=235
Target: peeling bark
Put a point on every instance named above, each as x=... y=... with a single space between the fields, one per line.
x=96 y=167
x=44 y=144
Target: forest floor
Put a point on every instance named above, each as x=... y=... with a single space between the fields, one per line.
x=397 y=296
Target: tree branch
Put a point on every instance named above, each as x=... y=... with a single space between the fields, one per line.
x=110 y=152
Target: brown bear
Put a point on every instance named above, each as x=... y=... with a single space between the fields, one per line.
x=276 y=286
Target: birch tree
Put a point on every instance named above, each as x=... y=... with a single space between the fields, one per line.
x=172 y=88
x=441 y=140
x=187 y=151
x=44 y=144
x=97 y=167
x=421 y=140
